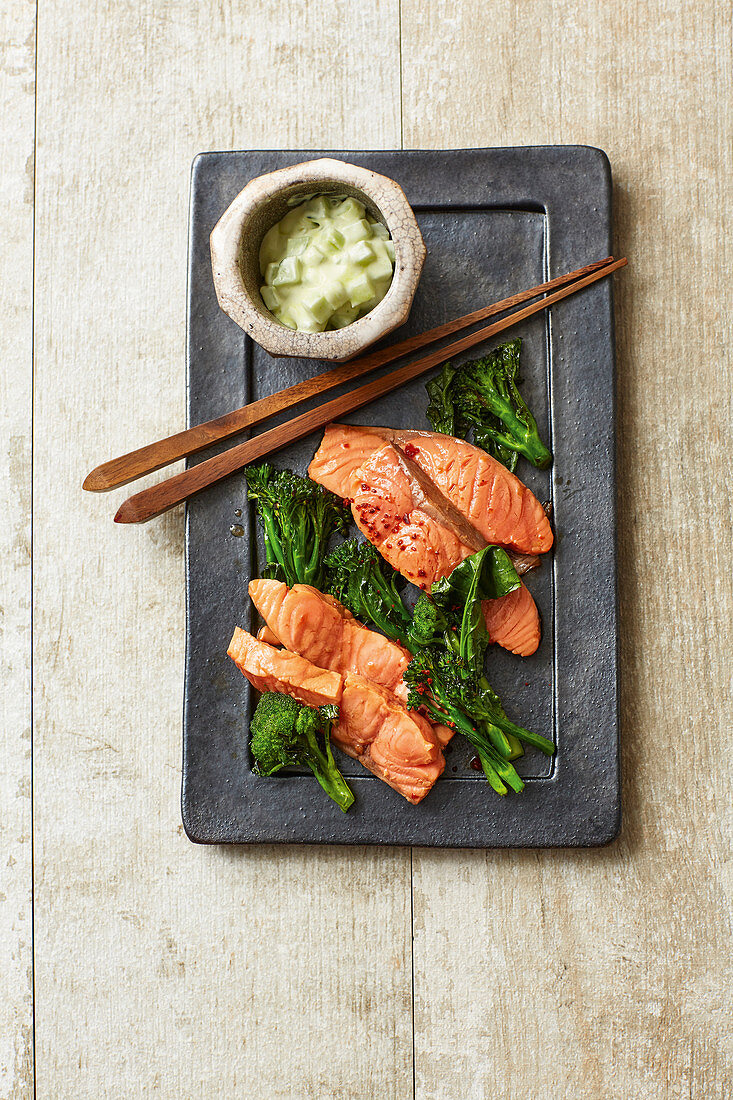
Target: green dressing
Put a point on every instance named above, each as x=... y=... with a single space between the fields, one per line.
x=326 y=263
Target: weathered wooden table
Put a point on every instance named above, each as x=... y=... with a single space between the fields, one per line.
x=139 y=965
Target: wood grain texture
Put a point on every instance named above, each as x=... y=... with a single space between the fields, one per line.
x=606 y=973
x=17 y=77
x=169 y=970
x=157 y=499
x=163 y=968
x=153 y=456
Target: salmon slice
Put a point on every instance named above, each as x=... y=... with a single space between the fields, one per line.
x=264 y=634
x=319 y=628
x=397 y=745
x=402 y=749
x=413 y=782
x=332 y=637
x=269 y=669
x=514 y=622
x=491 y=498
x=371 y=715
x=344 y=447
x=494 y=501
x=385 y=508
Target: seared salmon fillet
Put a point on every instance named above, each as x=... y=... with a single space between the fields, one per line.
x=492 y=499
x=386 y=510
x=269 y=669
x=514 y=622
x=315 y=625
x=397 y=745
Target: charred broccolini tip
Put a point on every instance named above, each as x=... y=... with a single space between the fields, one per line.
x=482 y=396
x=429 y=623
x=285 y=732
x=359 y=578
x=297 y=517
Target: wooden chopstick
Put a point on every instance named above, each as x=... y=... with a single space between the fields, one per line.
x=159 y=498
x=153 y=456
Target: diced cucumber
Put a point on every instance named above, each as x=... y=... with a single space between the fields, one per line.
x=357 y=231
x=335 y=294
x=379 y=230
x=270 y=297
x=288 y=273
x=317 y=304
x=361 y=253
x=318 y=207
x=389 y=245
x=344 y=316
x=270 y=273
x=313 y=255
x=330 y=239
x=305 y=321
x=381 y=265
x=350 y=210
x=360 y=289
x=381 y=286
x=296 y=246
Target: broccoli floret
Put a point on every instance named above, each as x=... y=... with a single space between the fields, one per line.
x=429 y=623
x=298 y=518
x=285 y=733
x=362 y=581
x=483 y=396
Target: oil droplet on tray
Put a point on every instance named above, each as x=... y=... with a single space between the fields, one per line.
x=237 y=530
x=237 y=511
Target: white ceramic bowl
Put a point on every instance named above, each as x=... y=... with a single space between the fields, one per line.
x=237 y=236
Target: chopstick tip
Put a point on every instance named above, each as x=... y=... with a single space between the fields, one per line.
x=125 y=514
x=95 y=482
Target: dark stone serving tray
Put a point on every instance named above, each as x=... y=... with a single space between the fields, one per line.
x=495 y=221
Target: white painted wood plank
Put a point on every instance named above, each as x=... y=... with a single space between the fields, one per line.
x=607 y=974
x=163 y=968
x=17 y=104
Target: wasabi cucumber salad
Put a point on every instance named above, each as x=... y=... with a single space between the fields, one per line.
x=326 y=263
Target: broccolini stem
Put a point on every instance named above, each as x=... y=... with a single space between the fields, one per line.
x=273 y=546
x=333 y=783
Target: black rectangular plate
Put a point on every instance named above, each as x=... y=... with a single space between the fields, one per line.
x=495 y=221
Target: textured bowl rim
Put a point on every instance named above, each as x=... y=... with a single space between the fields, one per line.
x=226 y=242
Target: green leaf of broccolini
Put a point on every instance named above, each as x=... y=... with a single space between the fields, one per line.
x=482 y=396
x=491 y=569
